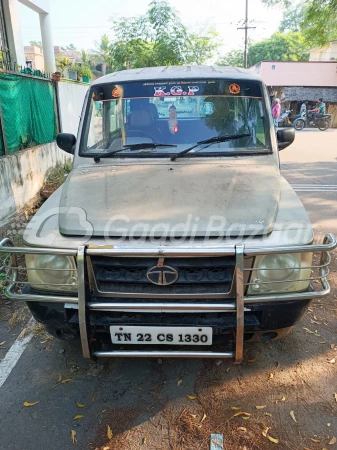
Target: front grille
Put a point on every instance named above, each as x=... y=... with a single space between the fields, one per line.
x=195 y=275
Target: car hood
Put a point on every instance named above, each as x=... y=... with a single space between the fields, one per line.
x=173 y=200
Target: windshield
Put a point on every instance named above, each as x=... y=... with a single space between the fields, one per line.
x=176 y=113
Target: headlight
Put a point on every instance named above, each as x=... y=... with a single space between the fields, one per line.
x=277 y=273
x=52 y=272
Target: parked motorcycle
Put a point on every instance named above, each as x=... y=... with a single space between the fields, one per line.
x=307 y=120
x=284 y=120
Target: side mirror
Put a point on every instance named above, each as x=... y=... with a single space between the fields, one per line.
x=66 y=142
x=285 y=137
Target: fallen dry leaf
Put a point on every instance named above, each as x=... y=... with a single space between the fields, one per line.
x=109 y=432
x=203 y=418
x=236 y=408
x=322 y=342
x=192 y=397
x=241 y=413
x=144 y=440
x=333 y=441
x=276 y=441
x=31 y=404
x=308 y=331
x=59 y=378
x=328 y=424
x=267 y=414
x=242 y=429
x=271 y=375
x=283 y=399
x=314 y=440
x=73 y=438
x=332 y=361
x=335 y=395
x=67 y=380
x=179 y=382
x=260 y=407
x=251 y=360
x=228 y=369
x=264 y=426
x=3 y=342
x=292 y=415
x=80 y=405
x=79 y=416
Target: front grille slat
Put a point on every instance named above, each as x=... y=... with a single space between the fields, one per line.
x=195 y=275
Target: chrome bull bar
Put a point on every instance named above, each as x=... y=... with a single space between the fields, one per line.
x=239 y=305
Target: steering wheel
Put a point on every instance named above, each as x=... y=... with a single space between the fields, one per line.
x=136 y=133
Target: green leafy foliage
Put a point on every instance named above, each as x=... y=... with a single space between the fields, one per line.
x=35 y=43
x=159 y=38
x=62 y=62
x=293 y=18
x=319 y=24
x=233 y=58
x=103 y=52
x=279 y=47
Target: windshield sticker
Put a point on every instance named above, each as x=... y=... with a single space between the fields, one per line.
x=173 y=120
x=207 y=108
x=160 y=91
x=234 y=88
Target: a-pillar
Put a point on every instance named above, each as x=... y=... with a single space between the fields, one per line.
x=47 y=43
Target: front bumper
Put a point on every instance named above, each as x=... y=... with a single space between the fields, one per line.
x=239 y=313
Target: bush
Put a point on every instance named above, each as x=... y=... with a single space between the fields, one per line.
x=83 y=70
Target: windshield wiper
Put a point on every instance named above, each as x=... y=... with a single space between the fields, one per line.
x=210 y=141
x=133 y=147
x=143 y=145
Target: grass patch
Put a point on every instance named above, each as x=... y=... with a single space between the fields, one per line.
x=57 y=175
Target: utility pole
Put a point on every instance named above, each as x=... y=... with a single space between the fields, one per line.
x=246 y=28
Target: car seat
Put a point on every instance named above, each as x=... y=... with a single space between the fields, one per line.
x=142 y=120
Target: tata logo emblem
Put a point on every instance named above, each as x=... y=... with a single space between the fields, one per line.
x=162 y=275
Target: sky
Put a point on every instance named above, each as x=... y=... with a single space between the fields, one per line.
x=82 y=22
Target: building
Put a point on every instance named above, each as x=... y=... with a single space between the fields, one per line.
x=295 y=81
x=11 y=42
x=328 y=53
x=34 y=57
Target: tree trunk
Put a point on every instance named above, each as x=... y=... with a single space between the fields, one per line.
x=103 y=68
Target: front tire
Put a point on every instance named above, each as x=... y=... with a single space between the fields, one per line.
x=299 y=124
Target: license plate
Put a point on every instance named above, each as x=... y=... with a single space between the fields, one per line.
x=161 y=335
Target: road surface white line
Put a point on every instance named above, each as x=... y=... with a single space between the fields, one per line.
x=14 y=353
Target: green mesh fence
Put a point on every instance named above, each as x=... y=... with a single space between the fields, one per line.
x=28 y=112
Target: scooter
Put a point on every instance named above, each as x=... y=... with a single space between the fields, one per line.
x=284 y=120
x=308 y=120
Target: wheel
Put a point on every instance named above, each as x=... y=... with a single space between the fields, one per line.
x=323 y=125
x=299 y=124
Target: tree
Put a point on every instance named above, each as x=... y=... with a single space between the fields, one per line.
x=103 y=52
x=159 y=38
x=319 y=25
x=35 y=43
x=70 y=47
x=86 y=57
x=279 y=47
x=293 y=17
x=204 y=46
x=62 y=62
x=233 y=58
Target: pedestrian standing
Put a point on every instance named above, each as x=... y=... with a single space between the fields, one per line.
x=276 y=111
x=303 y=109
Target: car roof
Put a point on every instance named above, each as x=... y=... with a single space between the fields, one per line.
x=177 y=72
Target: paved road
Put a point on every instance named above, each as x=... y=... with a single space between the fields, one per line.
x=146 y=404
x=310 y=165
